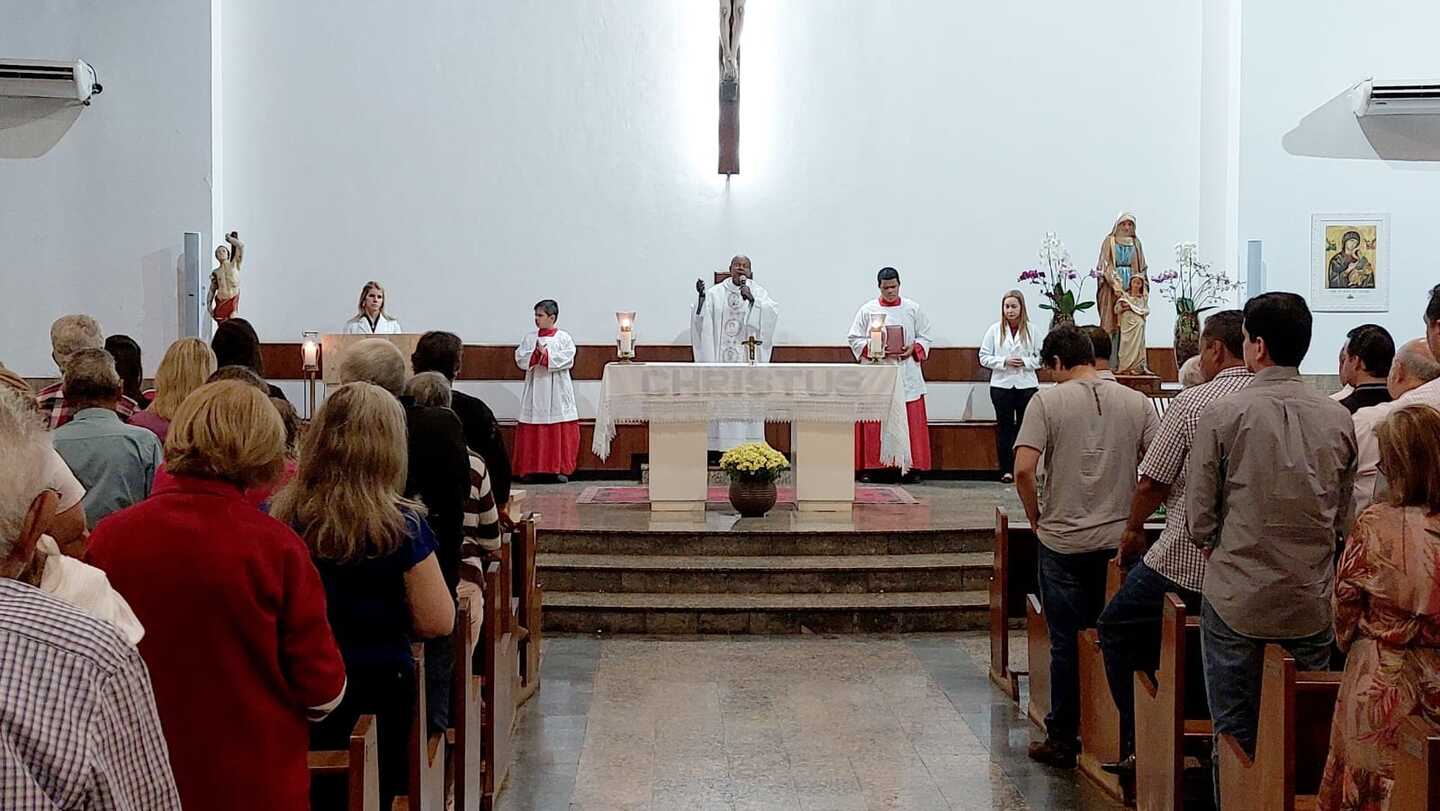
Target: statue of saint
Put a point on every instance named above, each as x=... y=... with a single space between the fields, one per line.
x=224 y=299
x=1131 y=310
x=1120 y=258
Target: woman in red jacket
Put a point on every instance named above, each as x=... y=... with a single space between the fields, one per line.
x=237 y=642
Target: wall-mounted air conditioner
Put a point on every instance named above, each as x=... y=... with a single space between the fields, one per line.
x=36 y=78
x=1371 y=97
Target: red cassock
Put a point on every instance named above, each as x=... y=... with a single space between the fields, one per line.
x=552 y=448
x=867 y=440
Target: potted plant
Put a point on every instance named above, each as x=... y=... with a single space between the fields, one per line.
x=753 y=469
x=1055 y=276
x=1194 y=287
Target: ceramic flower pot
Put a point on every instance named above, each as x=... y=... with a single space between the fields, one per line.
x=1187 y=336
x=752 y=498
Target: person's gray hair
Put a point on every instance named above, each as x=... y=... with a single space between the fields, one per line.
x=374 y=360
x=1190 y=373
x=1418 y=362
x=90 y=377
x=24 y=445
x=429 y=389
x=72 y=333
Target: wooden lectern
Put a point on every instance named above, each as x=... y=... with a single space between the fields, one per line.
x=334 y=345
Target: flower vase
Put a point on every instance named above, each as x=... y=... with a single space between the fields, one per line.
x=752 y=498
x=1187 y=335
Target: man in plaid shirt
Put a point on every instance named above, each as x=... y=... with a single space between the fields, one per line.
x=1130 y=624
x=78 y=726
x=68 y=335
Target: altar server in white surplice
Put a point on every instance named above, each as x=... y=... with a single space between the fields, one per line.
x=547 y=435
x=914 y=346
x=725 y=316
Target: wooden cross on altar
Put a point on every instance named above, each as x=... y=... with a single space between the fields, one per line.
x=732 y=19
x=752 y=346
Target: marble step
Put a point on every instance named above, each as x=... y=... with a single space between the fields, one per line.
x=654 y=613
x=735 y=542
x=776 y=574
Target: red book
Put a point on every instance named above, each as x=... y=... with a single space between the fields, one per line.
x=894 y=340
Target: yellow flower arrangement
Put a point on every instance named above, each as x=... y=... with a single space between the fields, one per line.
x=756 y=461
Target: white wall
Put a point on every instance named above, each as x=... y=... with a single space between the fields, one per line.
x=1296 y=62
x=95 y=225
x=479 y=156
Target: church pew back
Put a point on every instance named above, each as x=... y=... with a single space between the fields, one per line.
x=426 y=752
x=1099 y=718
x=464 y=737
x=529 y=605
x=499 y=675
x=1417 y=768
x=1012 y=576
x=1161 y=725
x=358 y=766
x=1292 y=739
x=1037 y=646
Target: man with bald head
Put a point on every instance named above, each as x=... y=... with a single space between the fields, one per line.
x=724 y=317
x=1414 y=379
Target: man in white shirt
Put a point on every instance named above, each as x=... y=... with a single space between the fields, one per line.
x=724 y=317
x=915 y=339
x=1414 y=379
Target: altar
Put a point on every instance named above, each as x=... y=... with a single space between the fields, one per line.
x=821 y=401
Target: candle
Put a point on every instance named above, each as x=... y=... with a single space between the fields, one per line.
x=626 y=339
x=877 y=336
x=310 y=352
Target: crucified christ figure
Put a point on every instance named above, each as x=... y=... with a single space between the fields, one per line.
x=732 y=20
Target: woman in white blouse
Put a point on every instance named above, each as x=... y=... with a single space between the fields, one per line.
x=371 y=318
x=1012 y=355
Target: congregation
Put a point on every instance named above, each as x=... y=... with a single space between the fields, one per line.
x=142 y=586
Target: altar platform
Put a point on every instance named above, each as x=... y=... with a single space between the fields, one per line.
x=895 y=567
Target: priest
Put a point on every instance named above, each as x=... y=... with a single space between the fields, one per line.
x=910 y=352
x=725 y=316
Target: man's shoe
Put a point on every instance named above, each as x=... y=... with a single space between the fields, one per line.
x=1123 y=768
x=1007 y=479
x=561 y=478
x=1053 y=754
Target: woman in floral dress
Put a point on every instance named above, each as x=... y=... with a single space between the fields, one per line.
x=1387 y=616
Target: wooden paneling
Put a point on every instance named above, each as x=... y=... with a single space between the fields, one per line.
x=945 y=364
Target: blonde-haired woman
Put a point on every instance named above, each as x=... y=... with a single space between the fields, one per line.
x=371 y=318
x=1387 y=616
x=236 y=635
x=376 y=556
x=186 y=366
x=1012 y=354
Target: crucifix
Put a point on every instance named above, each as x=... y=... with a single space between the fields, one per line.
x=752 y=345
x=732 y=19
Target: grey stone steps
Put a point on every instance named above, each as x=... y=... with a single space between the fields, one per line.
x=737 y=543
x=764 y=613
x=776 y=574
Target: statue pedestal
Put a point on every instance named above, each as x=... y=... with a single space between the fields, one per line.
x=1148 y=384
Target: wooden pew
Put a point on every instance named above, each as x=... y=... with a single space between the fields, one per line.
x=1291 y=744
x=499 y=676
x=1161 y=728
x=1417 y=768
x=529 y=599
x=426 y=754
x=1099 y=718
x=1012 y=577
x=467 y=764
x=1037 y=645
x=359 y=765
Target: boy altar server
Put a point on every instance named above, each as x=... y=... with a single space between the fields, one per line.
x=547 y=438
x=914 y=346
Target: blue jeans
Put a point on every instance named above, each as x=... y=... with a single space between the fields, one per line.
x=1234 y=666
x=1072 y=593
x=1130 y=638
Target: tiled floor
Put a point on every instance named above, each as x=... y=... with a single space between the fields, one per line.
x=808 y=722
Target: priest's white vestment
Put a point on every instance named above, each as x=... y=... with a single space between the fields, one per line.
x=718 y=329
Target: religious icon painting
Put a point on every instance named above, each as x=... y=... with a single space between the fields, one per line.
x=1350 y=262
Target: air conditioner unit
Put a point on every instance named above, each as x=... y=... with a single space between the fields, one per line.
x=1396 y=98
x=36 y=78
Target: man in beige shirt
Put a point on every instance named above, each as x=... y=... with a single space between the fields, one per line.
x=1092 y=433
x=1268 y=499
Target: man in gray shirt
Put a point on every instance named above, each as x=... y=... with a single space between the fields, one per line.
x=1092 y=433
x=1267 y=500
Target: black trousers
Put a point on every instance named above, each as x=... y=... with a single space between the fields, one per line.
x=1010 y=405
x=386 y=692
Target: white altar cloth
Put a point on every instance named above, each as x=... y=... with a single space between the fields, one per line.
x=772 y=392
